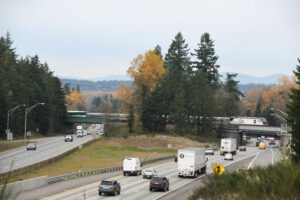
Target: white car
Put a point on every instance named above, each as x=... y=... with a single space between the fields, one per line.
x=228 y=156
x=209 y=151
x=149 y=173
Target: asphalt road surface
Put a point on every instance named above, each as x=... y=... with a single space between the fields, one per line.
x=135 y=187
x=46 y=148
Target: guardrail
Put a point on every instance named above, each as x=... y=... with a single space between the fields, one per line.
x=37 y=165
x=101 y=170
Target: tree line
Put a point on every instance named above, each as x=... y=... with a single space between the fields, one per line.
x=28 y=81
x=182 y=87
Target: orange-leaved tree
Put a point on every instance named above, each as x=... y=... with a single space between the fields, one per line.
x=75 y=100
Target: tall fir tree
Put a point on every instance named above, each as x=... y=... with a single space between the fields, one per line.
x=206 y=59
x=177 y=64
x=293 y=109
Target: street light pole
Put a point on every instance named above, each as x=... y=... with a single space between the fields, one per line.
x=279 y=110
x=10 y=112
x=27 y=110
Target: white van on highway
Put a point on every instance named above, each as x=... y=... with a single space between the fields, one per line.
x=191 y=162
x=132 y=166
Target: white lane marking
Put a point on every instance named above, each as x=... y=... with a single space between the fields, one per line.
x=272 y=156
x=253 y=160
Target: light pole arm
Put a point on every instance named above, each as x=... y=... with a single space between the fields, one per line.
x=10 y=112
x=27 y=110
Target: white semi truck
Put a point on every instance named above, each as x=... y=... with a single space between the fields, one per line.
x=191 y=162
x=228 y=145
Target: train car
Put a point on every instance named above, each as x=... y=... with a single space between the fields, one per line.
x=249 y=121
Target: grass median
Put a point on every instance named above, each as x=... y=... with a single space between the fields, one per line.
x=111 y=152
x=7 y=145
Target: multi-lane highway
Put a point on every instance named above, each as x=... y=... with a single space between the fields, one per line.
x=46 y=148
x=135 y=187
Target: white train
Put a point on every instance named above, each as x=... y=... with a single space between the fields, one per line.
x=250 y=121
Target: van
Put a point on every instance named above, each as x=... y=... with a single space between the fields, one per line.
x=132 y=166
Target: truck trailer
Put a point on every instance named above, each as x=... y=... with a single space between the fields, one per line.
x=191 y=162
x=228 y=145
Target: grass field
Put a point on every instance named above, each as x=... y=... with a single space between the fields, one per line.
x=111 y=152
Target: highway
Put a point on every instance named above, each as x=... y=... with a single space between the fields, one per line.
x=135 y=187
x=46 y=148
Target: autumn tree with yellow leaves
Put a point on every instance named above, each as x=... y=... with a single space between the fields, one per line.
x=75 y=100
x=259 y=100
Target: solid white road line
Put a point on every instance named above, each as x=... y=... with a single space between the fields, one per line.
x=272 y=156
x=253 y=160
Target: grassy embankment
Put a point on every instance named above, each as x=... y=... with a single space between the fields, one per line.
x=280 y=181
x=7 y=145
x=111 y=151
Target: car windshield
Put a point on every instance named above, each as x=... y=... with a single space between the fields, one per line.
x=157 y=179
x=209 y=149
x=149 y=170
x=106 y=183
x=31 y=145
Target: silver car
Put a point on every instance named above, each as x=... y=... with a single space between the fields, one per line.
x=149 y=173
x=209 y=151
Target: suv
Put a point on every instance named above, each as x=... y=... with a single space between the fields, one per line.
x=159 y=183
x=209 y=151
x=68 y=138
x=110 y=187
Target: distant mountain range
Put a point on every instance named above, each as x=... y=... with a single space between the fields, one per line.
x=243 y=78
x=112 y=83
x=247 y=79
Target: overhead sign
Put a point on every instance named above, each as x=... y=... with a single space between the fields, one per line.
x=218 y=169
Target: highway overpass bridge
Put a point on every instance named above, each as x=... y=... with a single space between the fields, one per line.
x=94 y=118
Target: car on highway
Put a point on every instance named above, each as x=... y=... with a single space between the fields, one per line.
x=84 y=133
x=31 y=147
x=257 y=143
x=159 y=183
x=272 y=141
x=112 y=187
x=79 y=133
x=228 y=156
x=209 y=151
x=175 y=159
x=68 y=138
x=242 y=148
x=149 y=173
x=89 y=132
x=262 y=145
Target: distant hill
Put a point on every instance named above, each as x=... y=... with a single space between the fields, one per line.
x=112 y=83
x=87 y=85
x=247 y=79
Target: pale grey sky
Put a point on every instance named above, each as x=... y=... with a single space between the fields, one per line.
x=93 y=38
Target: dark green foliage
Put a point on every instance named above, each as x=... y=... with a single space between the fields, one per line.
x=280 y=181
x=130 y=118
x=158 y=51
x=190 y=93
x=294 y=115
x=206 y=59
x=27 y=81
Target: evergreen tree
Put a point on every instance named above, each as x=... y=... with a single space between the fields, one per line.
x=207 y=59
x=293 y=109
x=158 y=51
x=177 y=64
x=232 y=95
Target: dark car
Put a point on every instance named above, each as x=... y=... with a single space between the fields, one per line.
x=68 y=138
x=31 y=147
x=257 y=143
x=175 y=159
x=242 y=148
x=159 y=183
x=109 y=187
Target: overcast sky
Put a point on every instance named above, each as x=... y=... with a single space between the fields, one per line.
x=89 y=39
